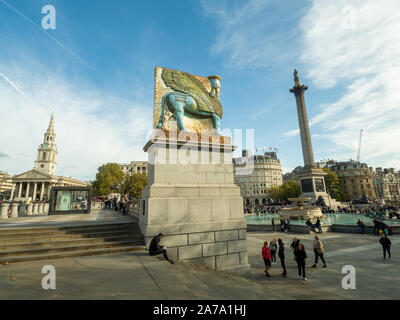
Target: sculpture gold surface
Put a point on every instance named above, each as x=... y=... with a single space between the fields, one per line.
x=192 y=101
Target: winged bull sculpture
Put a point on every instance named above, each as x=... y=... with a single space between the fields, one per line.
x=190 y=98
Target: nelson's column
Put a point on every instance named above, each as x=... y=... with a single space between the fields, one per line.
x=311 y=178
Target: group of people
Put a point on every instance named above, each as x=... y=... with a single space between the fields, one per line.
x=315 y=226
x=381 y=228
x=116 y=204
x=269 y=250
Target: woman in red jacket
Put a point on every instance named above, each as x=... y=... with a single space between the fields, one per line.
x=266 y=253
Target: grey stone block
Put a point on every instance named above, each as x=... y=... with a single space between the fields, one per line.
x=244 y=258
x=189 y=252
x=242 y=234
x=203 y=237
x=213 y=249
x=226 y=235
x=227 y=260
x=237 y=246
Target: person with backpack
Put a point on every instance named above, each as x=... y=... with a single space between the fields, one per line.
x=319 y=252
x=266 y=254
x=385 y=243
x=281 y=254
x=301 y=256
x=272 y=248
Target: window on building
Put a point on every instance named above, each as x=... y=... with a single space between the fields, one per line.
x=44 y=156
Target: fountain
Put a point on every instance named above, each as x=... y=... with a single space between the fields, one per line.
x=301 y=212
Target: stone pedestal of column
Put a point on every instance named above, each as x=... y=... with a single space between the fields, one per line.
x=14 y=210
x=46 y=208
x=196 y=205
x=29 y=209
x=4 y=210
x=40 y=208
x=35 y=208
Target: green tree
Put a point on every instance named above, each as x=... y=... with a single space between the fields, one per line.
x=334 y=186
x=108 y=177
x=289 y=189
x=286 y=190
x=134 y=184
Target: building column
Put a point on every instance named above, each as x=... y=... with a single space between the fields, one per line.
x=12 y=190
x=41 y=191
x=27 y=190
x=20 y=189
x=34 y=191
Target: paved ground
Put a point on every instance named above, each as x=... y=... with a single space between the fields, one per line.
x=135 y=275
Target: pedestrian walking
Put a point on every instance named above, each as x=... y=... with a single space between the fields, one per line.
x=301 y=257
x=386 y=243
x=281 y=254
x=319 y=252
x=266 y=253
x=273 y=247
x=273 y=224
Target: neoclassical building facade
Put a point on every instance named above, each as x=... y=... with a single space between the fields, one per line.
x=255 y=174
x=36 y=184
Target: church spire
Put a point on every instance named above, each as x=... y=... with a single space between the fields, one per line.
x=46 y=160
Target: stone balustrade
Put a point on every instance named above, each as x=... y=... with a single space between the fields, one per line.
x=18 y=210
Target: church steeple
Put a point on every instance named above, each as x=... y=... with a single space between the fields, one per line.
x=47 y=151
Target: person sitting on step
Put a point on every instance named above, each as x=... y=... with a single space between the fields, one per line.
x=155 y=248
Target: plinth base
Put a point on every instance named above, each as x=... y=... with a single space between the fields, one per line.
x=195 y=204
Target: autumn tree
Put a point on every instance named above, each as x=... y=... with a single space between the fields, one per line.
x=108 y=177
x=334 y=186
x=134 y=183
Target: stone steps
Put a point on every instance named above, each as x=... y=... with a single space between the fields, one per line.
x=42 y=243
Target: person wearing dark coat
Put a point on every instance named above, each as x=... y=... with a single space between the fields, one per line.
x=301 y=256
x=385 y=243
x=281 y=255
x=155 y=248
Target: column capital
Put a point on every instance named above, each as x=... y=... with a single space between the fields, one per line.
x=298 y=90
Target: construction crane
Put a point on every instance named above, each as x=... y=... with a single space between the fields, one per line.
x=359 y=145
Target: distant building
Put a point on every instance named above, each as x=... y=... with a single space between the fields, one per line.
x=5 y=182
x=386 y=184
x=357 y=179
x=134 y=167
x=256 y=174
x=36 y=184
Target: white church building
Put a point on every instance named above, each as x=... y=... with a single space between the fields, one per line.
x=35 y=184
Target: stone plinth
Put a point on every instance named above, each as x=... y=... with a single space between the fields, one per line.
x=301 y=213
x=46 y=208
x=29 y=209
x=191 y=198
x=40 y=208
x=4 y=210
x=35 y=208
x=14 y=210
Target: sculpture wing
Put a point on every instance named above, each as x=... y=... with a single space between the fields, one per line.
x=189 y=84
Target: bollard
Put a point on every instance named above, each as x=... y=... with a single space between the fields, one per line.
x=14 y=210
x=29 y=209
x=46 y=208
x=35 y=208
x=4 y=210
x=40 y=208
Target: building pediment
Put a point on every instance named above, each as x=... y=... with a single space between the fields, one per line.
x=33 y=174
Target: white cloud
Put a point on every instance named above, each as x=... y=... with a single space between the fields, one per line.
x=92 y=127
x=356 y=44
x=249 y=33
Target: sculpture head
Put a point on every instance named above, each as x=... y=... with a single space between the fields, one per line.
x=215 y=82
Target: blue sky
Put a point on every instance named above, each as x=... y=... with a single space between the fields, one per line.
x=96 y=71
